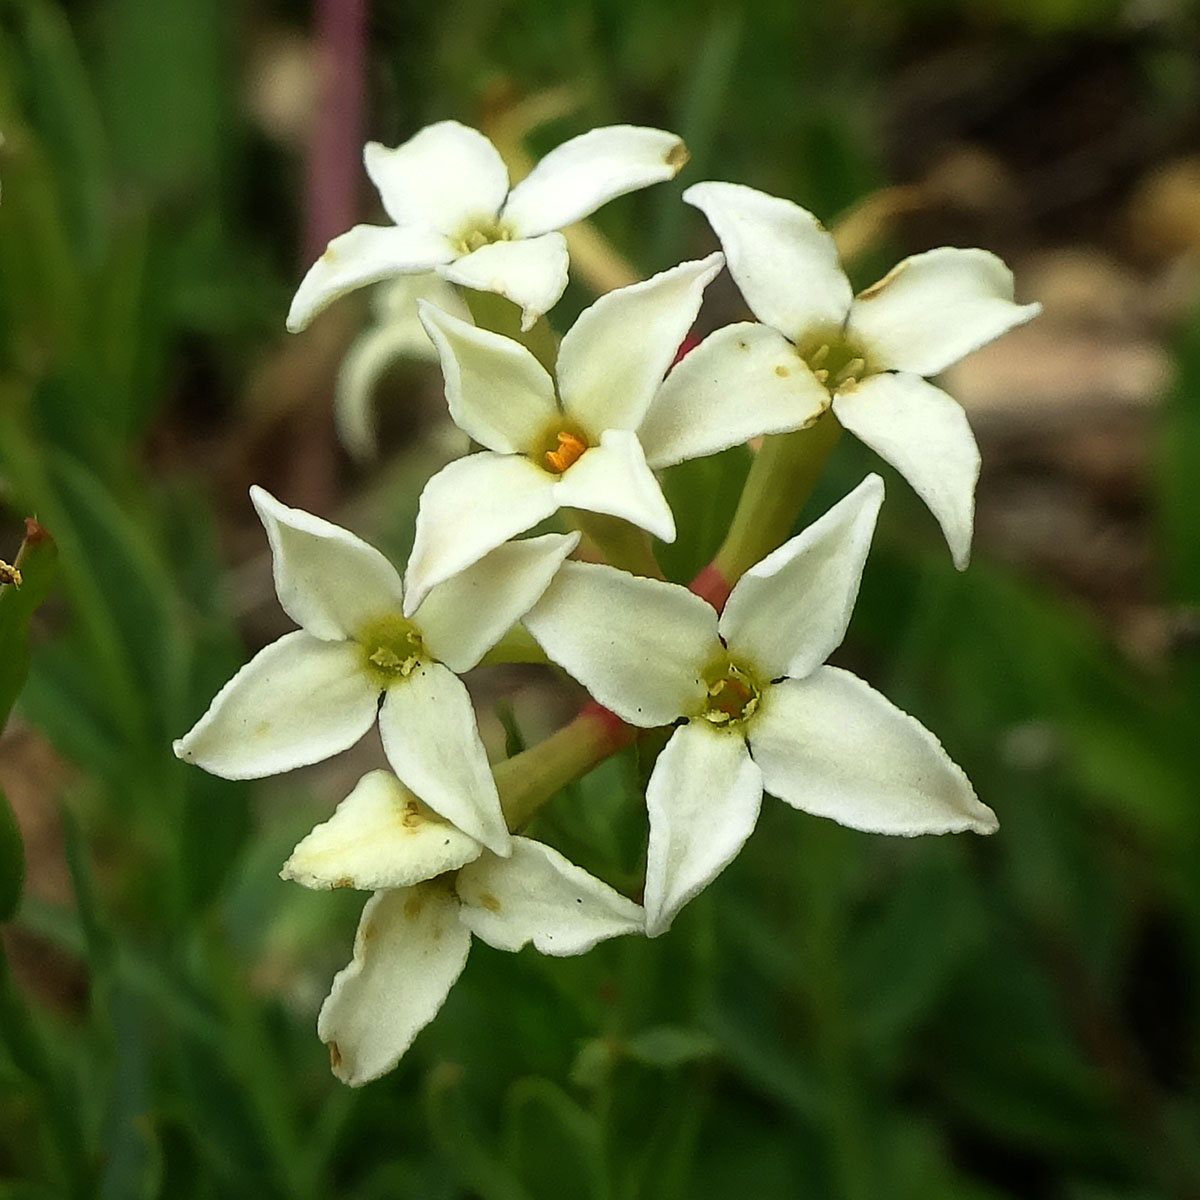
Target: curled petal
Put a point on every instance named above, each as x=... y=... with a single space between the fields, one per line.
x=432 y=742
x=297 y=701
x=470 y=507
x=925 y=435
x=538 y=896
x=531 y=272
x=497 y=391
x=703 y=799
x=935 y=308
x=740 y=382
x=442 y=178
x=576 y=178
x=365 y=254
x=833 y=746
x=780 y=256
x=327 y=579
x=381 y=836
x=638 y=645
x=463 y=618
x=409 y=949
x=613 y=478
x=648 y=321
x=788 y=613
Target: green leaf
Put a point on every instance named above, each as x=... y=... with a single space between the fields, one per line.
x=669 y=1046
x=12 y=861
x=35 y=564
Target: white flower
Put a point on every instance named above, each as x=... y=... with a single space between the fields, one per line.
x=820 y=346
x=447 y=191
x=759 y=709
x=395 y=333
x=434 y=888
x=577 y=447
x=316 y=691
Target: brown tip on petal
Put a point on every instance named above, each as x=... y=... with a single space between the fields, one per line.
x=677 y=156
x=335 y=1056
x=35 y=532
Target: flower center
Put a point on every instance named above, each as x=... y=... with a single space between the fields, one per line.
x=391 y=647
x=836 y=362
x=562 y=446
x=733 y=693
x=480 y=233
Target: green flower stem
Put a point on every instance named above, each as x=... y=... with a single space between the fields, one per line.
x=781 y=479
x=527 y=780
x=502 y=316
x=516 y=646
x=622 y=544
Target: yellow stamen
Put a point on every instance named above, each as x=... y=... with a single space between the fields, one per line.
x=570 y=448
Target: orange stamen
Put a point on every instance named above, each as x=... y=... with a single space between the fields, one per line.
x=570 y=447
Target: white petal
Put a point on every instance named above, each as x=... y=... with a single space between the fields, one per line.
x=469 y=507
x=703 y=799
x=780 y=256
x=409 y=949
x=431 y=739
x=327 y=580
x=576 y=178
x=442 y=178
x=531 y=273
x=934 y=308
x=366 y=254
x=788 y=613
x=638 y=645
x=497 y=391
x=740 y=382
x=925 y=435
x=538 y=896
x=833 y=746
x=648 y=321
x=613 y=478
x=463 y=618
x=380 y=836
x=297 y=701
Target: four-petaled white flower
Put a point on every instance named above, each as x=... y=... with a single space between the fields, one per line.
x=579 y=448
x=759 y=709
x=819 y=346
x=434 y=887
x=447 y=191
x=316 y=691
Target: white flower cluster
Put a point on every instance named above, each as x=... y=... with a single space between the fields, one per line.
x=753 y=706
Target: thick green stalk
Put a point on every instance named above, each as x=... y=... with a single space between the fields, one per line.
x=623 y=545
x=502 y=316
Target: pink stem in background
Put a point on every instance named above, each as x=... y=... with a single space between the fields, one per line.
x=333 y=168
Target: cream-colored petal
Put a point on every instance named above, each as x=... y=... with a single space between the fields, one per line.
x=463 y=618
x=327 y=579
x=604 y=389
x=925 y=435
x=537 y=896
x=380 y=836
x=935 y=308
x=467 y=509
x=496 y=390
x=703 y=800
x=613 y=478
x=297 y=701
x=576 y=178
x=788 y=613
x=409 y=949
x=780 y=256
x=532 y=273
x=365 y=254
x=740 y=382
x=443 y=178
x=833 y=746
x=638 y=645
x=431 y=739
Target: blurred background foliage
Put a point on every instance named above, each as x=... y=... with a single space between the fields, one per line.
x=840 y=1015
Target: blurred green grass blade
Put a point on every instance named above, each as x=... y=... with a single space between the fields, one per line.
x=36 y=562
x=1179 y=497
x=12 y=860
x=554 y=1146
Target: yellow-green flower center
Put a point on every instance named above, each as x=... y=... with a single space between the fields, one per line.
x=561 y=446
x=481 y=233
x=733 y=693
x=836 y=362
x=391 y=647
